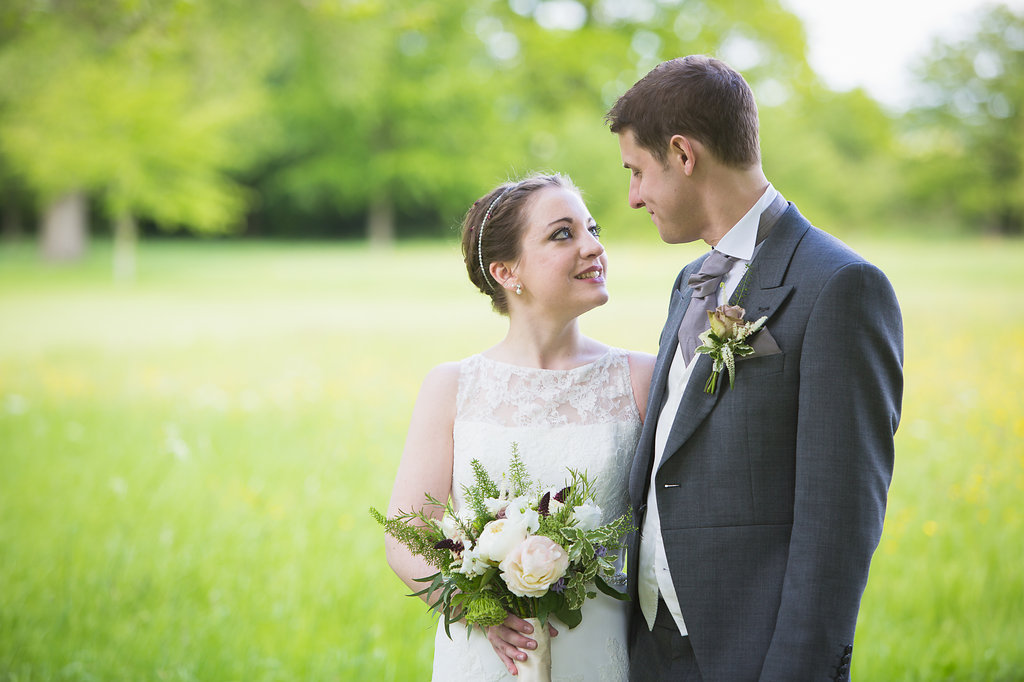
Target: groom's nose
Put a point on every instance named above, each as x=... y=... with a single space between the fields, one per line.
x=634 y=194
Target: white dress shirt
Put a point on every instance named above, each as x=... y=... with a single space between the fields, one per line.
x=654 y=574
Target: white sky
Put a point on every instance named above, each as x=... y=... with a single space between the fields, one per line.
x=872 y=43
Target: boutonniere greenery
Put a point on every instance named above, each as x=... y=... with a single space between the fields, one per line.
x=726 y=340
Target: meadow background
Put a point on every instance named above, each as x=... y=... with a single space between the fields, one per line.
x=186 y=463
x=227 y=261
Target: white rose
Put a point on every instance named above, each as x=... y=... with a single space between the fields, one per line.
x=533 y=566
x=498 y=538
x=587 y=515
x=494 y=505
x=451 y=529
x=472 y=564
x=519 y=510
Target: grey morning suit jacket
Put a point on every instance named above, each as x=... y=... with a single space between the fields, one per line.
x=772 y=494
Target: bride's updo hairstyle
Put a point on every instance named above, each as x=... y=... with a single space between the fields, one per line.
x=493 y=230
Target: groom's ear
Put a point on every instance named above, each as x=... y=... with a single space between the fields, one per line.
x=681 y=152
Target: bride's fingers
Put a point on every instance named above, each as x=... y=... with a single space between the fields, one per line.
x=508 y=662
x=509 y=641
x=502 y=641
x=520 y=625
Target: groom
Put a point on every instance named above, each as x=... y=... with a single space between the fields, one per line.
x=759 y=506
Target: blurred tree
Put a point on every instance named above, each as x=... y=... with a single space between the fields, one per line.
x=575 y=58
x=192 y=115
x=385 y=109
x=834 y=154
x=132 y=107
x=966 y=138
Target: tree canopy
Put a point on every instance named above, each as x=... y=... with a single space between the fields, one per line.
x=361 y=117
x=967 y=133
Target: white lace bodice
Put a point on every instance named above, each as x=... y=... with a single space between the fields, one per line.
x=585 y=419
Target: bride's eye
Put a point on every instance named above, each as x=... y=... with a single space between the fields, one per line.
x=561 y=233
x=595 y=230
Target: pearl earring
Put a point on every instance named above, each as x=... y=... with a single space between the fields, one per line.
x=519 y=289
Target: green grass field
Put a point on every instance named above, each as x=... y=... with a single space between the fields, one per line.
x=186 y=462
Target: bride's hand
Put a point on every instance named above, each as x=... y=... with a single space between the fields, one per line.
x=510 y=637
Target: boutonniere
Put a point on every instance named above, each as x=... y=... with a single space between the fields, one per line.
x=726 y=340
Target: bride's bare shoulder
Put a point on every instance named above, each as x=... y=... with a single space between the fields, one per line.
x=641 y=364
x=641 y=368
x=442 y=379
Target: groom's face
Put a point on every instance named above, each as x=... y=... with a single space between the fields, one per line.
x=662 y=189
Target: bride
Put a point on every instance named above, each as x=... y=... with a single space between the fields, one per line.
x=567 y=400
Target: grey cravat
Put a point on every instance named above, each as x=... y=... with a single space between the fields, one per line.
x=705 y=298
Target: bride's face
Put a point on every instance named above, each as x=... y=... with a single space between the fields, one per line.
x=562 y=264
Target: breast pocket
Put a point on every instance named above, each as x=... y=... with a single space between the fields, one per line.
x=760 y=365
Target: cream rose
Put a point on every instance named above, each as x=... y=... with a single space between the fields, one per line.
x=533 y=566
x=498 y=538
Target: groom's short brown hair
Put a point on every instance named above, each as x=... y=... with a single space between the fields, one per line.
x=696 y=96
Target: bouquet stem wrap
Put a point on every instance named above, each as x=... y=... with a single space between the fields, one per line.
x=537 y=666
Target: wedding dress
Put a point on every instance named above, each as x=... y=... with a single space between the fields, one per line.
x=583 y=418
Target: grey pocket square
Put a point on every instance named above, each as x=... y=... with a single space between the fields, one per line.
x=763 y=344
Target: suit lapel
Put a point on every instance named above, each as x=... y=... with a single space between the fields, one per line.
x=668 y=343
x=765 y=293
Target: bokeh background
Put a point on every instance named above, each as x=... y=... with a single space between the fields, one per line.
x=229 y=256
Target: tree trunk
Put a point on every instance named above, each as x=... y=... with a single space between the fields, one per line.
x=65 y=233
x=126 y=239
x=380 y=225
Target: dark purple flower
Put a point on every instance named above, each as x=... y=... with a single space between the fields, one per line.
x=542 y=506
x=450 y=544
x=600 y=550
x=560 y=497
x=559 y=586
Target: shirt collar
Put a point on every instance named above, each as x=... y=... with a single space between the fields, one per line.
x=740 y=241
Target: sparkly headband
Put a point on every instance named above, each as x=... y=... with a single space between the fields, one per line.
x=480 y=236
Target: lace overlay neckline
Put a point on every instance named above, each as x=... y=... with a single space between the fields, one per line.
x=499 y=393
x=545 y=369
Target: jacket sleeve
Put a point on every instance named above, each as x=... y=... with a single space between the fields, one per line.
x=851 y=386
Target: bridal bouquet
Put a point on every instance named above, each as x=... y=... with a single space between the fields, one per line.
x=514 y=548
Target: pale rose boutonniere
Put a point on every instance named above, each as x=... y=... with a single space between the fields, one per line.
x=726 y=340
